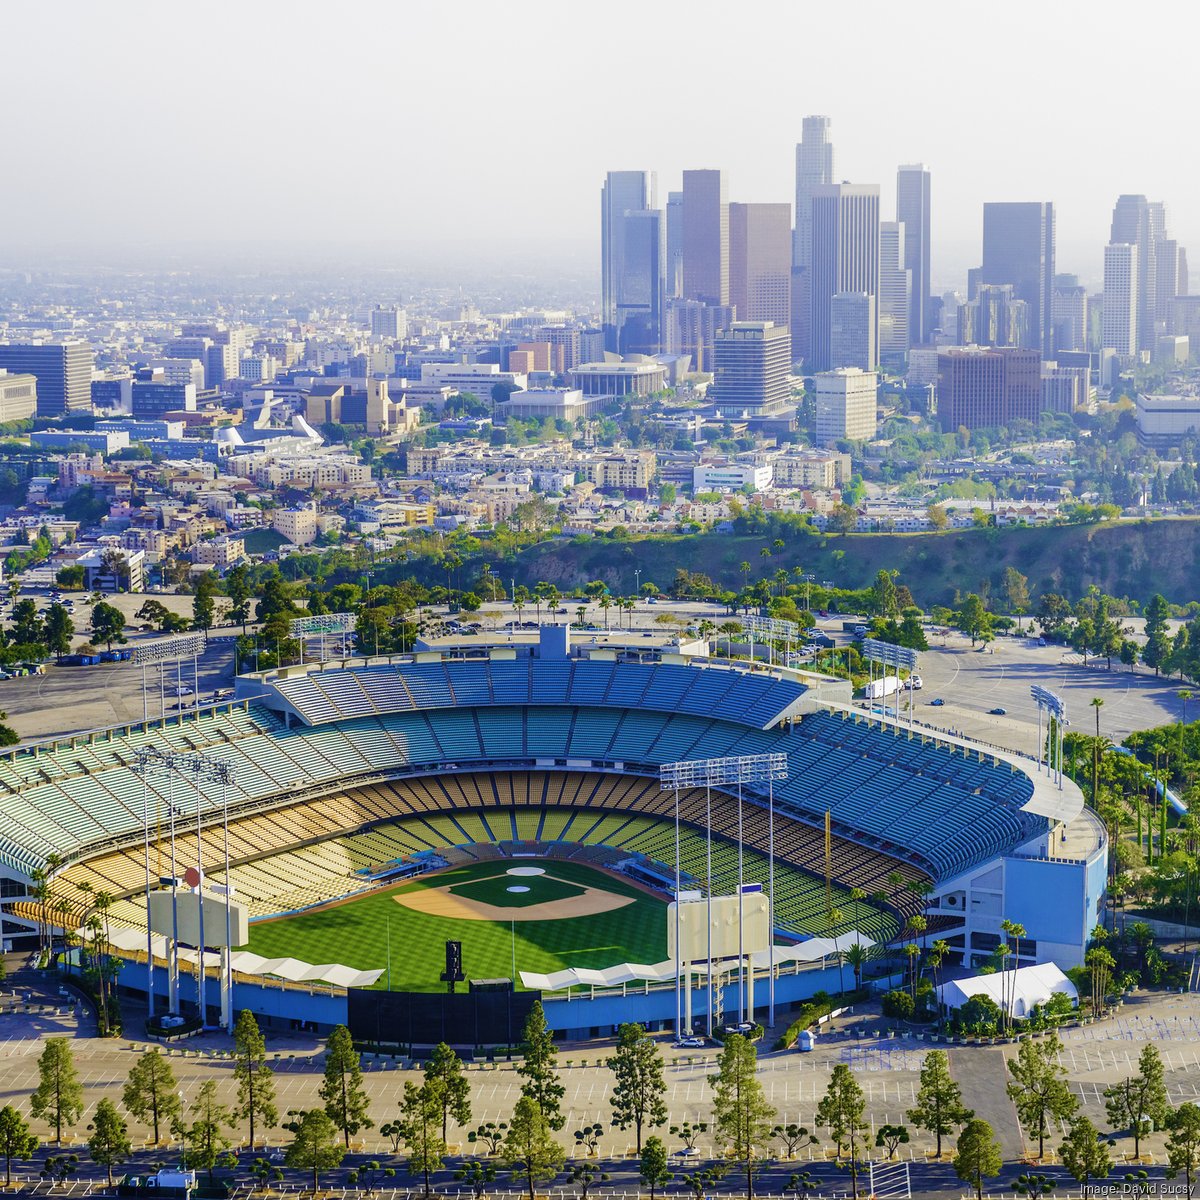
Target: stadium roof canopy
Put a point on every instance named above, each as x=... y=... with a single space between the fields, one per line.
x=806 y=952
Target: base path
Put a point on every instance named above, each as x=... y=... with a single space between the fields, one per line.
x=982 y=1075
x=442 y=902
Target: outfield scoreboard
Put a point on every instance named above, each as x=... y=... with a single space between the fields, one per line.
x=739 y=925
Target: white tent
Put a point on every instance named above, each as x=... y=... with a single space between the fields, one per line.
x=1023 y=987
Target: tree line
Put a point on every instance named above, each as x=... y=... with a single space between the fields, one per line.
x=744 y=1125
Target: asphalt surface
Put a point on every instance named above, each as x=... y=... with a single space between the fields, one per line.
x=886 y=1067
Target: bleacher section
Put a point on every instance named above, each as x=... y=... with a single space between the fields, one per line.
x=911 y=797
x=566 y=813
x=713 y=690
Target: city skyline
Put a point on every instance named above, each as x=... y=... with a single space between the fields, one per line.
x=124 y=183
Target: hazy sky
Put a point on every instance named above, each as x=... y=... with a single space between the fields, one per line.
x=443 y=127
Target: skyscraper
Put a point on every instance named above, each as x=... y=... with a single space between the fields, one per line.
x=1170 y=280
x=760 y=262
x=63 y=371
x=814 y=167
x=633 y=248
x=1119 y=318
x=751 y=367
x=994 y=318
x=912 y=211
x=1070 y=313
x=705 y=237
x=1138 y=222
x=845 y=258
x=674 y=245
x=844 y=405
x=895 y=293
x=979 y=387
x=853 y=328
x=1018 y=248
x=623 y=192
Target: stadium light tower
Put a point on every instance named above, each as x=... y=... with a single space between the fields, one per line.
x=1056 y=712
x=887 y=654
x=341 y=623
x=199 y=768
x=735 y=771
x=163 y=650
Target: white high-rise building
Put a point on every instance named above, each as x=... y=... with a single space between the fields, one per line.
x=390 y=323
x=814 y=167
x=895 y=294
x=845 y=405
x=1119 y=321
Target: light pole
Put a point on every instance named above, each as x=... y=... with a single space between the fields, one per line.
x=733 y=773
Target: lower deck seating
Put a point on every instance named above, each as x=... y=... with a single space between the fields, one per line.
x=312 y=852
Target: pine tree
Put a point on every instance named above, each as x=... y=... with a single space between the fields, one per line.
x=151 y=1093
x=654 y=1164
x=109 y=1143
x=444 y=1074
x=346 y=1101
x=939 y=1109
x=1183 y=1144
x=420 y=1130
x=207 y=1139
x=203 y=604
x=530 y=1150
x=1039 y=1089
x=1158 y=641
x=638 y=1083
x=1138 y=1098
x=978 y=1155
x=541 y=1084
x=842 y=1109
x=742 y=1118
x=1084 y=1154
x=16 y=1140
x=58 y=1098
x=255 y=1080
x=314 y=1147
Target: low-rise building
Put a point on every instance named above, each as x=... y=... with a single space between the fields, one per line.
x=113 y=568
x=222 y=551
x=731 y=476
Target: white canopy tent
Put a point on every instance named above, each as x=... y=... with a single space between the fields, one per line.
x=1023 y=988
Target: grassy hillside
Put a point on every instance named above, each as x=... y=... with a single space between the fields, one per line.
x=1126 y=558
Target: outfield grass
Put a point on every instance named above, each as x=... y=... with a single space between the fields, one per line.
x=356 y=933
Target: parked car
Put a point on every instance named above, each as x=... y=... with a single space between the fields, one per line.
x=181 y=690
x=997 y=712
x=691 y=1043
x=914 y=682
x=937 y=702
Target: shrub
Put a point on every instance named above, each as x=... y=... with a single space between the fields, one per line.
x=898 y=1004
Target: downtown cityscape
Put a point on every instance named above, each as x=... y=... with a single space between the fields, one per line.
x=551 y=650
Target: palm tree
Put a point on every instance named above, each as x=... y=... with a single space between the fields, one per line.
x=857 y=896
x=580 y=613
x=937 y=956
x=914 y=953
x=1097 y=704
x=1002 y=952
x=857 y=956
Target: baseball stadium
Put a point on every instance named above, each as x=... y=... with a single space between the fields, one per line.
x=521 y=816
